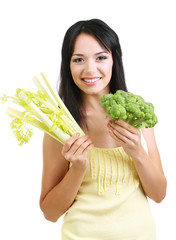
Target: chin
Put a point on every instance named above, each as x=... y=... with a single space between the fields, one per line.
x=95 y=90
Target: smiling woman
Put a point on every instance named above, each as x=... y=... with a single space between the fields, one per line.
x=106 y=174
x=106 y=46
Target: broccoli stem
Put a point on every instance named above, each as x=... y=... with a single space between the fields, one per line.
x=137 y=123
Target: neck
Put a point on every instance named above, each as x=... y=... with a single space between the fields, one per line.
x=92 y=103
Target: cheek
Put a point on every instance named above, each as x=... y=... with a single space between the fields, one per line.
x=107 y=69
x=75 y=71
x=76 y=74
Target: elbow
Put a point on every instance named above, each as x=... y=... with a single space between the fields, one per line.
x=50 y=218
x=47 y=213
x=159 y=199
x=162 y=194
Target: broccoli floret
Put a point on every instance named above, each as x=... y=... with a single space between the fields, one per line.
x=117 y=111
x=130 y=108
x=105 y=100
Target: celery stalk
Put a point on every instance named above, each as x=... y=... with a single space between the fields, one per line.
x=60 y=102
x=58 y=132
x=40 y=87
x=41 y=110
x=31 y=120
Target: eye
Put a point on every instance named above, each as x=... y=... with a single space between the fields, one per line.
x=78 y=60
x=100 y=58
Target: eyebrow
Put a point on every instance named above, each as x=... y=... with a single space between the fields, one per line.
x=79 y=54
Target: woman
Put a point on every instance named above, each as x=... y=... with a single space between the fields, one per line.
x=102 y=179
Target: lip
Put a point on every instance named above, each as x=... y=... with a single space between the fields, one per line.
x=91 y=78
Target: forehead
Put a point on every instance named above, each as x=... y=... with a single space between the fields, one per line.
x=86 y=43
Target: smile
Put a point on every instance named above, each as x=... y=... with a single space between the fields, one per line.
x=90 y=80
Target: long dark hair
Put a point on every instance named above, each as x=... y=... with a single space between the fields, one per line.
x=68 y=91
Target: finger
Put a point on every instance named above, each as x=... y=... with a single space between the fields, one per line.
x=130 y=132
x=70 y=142
x=127 y=126
x=83 y=146
x=120 y=134
x=115 y=137
x=77 y=143
x=125 y=136
x=87 y=149
x=123 y=131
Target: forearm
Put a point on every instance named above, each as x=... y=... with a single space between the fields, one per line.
x=152 y=178
x=61 y=197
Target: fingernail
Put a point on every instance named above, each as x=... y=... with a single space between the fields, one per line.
x=77 y=134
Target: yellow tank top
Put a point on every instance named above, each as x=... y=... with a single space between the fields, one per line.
x=110 y=204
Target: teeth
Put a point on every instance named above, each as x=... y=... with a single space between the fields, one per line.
x=89 y=81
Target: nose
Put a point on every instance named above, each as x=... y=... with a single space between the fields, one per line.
x=90 y=67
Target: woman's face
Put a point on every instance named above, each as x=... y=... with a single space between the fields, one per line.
x=91 y=65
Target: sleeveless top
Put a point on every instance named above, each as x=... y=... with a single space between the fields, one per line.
x=110 y=203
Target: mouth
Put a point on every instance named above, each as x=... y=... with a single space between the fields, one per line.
x=90 y=81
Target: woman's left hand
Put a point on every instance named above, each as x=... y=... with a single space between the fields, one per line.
x=127 y=136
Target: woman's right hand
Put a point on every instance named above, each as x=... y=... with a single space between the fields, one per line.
x=75 y=150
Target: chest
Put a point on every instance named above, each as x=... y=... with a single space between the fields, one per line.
x=98 y=131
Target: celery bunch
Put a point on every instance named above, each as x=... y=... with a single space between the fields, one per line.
x=44 y=110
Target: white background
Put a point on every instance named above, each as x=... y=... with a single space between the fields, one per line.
x=31 y=38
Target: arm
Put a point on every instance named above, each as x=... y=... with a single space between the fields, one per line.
x=59 y=183
x=148 y=166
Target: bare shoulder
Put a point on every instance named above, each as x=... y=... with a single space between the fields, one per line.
x=54 y=164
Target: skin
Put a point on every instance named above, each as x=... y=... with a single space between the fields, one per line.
x=60 y=183
x=91 y=61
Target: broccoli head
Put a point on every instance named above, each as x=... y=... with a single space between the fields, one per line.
x=130 y=108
